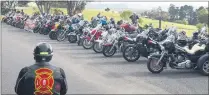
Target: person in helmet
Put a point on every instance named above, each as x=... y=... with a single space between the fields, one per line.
x=134 y=18
x=41 y=78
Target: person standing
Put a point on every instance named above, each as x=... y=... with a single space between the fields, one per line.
x=134 y=18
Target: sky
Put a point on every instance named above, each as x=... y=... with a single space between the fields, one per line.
x=142 y=5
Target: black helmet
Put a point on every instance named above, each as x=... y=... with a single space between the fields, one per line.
x=43 y=52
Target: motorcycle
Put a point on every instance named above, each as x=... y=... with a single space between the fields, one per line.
x=47 y=27
x=143 y=46
x=77 y=31
x=29 y=25
x=178 y=57
x=116 y=43
x=62 y=33
x=98 y=44
x=94 y=35
x=53 y=32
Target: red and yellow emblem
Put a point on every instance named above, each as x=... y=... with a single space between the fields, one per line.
x=44 y=81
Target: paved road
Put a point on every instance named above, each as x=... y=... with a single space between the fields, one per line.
x=90 y=73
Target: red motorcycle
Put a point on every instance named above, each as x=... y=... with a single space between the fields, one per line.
x=29 y=25
x=94 y=35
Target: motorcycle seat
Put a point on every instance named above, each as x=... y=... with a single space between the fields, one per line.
x=194 y=49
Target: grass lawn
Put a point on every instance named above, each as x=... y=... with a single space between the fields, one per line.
x=88 y=13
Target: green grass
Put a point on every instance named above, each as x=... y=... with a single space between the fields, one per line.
x=88 y=13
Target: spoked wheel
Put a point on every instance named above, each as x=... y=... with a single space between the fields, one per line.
x=131 y=54
x=107 y=52
x=87 y=44
x=61 y=36
x=153 y=66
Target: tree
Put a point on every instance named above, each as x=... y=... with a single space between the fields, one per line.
x=172 y=12
x=125 y=14
x=182 y=14
x=202 y=15
x=164 y=15
x=44 y=6
x=8 y=5
x=107 y=9
x=75 y=6
x=23 y=3
x=140 y=21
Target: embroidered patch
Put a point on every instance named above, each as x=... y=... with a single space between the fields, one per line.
x=44 y=81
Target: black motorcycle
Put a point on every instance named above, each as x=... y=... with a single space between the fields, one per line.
x=143 y=46
x=178 y=57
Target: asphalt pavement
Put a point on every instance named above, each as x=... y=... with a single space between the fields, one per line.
x=91 y=73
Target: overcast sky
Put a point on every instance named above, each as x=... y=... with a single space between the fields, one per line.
x=142 y=5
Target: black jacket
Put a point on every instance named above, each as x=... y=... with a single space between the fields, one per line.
x=33 y=79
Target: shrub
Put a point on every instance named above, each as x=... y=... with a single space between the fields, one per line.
x=182 y=22
x=36 y=12
x=140 y=21
x=199 y=26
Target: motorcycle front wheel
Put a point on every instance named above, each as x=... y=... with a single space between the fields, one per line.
x=97 y=47
x=107 y=52
x=87 y=44
x=53 y=35
x=72 y=38
x=153 y=67
x=131 y=54
x=61 y=36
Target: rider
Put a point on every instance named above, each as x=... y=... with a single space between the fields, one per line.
x=41 y=78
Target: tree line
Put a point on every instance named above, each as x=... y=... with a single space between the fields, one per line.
x=185 y=14
x=44 y=6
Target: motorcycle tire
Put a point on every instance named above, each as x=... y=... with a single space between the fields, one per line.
x=136 y=51
x=59 y=37
x=36 y=30
x=80 y=42
x=53 y=35
x=96 y=48
x=202 y=64
x=107 y=48
x=72 y=38
x=41 y=31
x=46 y=31
x=85 y=42
x=150 y=63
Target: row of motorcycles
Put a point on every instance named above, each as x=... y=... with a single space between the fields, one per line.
x=162 y=47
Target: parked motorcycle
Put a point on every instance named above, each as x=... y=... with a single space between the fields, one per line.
x=178 y=57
